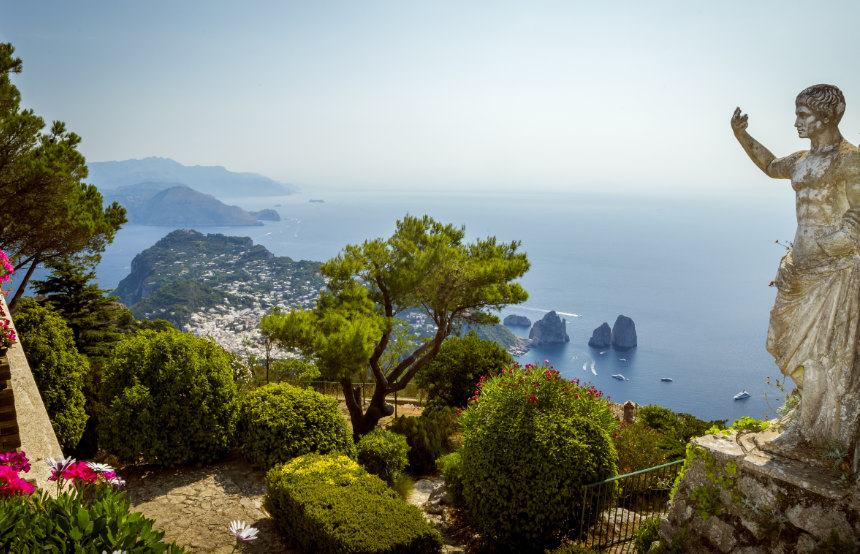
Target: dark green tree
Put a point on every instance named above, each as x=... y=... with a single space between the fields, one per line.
x=425 y=266
x=96 y=319
x=56 y=215
x=58 y=368
x=450 y=378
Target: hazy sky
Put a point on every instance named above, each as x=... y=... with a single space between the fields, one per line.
x=448 y=94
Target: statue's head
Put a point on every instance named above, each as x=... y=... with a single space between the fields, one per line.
x=825 y=101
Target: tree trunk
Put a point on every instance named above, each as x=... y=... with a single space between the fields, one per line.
x=13 y=305
x=364 y=422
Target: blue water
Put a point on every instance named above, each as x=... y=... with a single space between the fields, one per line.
x=692 y=271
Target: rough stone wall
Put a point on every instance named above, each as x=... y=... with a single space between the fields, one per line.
x=736 y=497
x=37 y=436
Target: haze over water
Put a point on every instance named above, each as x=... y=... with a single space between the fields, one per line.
x=691 y=270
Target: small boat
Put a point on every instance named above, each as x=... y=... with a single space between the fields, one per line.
x=620 y=377
x=666 y=379
x=622 y=359
x=741 y=395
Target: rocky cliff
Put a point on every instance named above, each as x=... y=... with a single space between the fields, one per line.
x=550 y=329
x=601 y=337
x=623 y=333
x=517 y=321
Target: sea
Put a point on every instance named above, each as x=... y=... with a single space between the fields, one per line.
x=691 y=268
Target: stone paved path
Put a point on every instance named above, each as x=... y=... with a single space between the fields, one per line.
x=194 y=506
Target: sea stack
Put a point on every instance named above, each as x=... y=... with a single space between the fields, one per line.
x=601 y=337
x=623 y=333
x=551 y=329
x=514 y=320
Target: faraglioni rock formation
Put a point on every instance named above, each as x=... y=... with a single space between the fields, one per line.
x=550 y=329
x=515 y=320
x=623 y=334
x=601 y=337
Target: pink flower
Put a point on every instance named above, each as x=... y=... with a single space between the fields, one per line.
x=16 y=460
x=11 y=483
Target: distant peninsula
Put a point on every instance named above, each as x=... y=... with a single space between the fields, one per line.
x=178 y=205
x=220 y=286
x=214 y=180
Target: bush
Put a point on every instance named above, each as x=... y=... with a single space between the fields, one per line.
x=639 y=447
x=278 y=422
x=169 y=399
x=648 y=532
x=58 y=368
x=451 y=466
x=327 y=503
x=69 y=523
x=531 y=440
x=450 y=377
x=677 y=429
x=424 y=440
x=383 y=453
x=446 y=420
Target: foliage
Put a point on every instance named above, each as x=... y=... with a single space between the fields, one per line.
x=96 y=319
x=451 y=466
x=424 y=266
x=451 y=377
x=648 y=532
x=383 y=453
x=447 y=420
x=424 y=439
x=834 y=545
x=73 y=523
x=169 y=399
x=58 y=368
x=677 y=429
x=638 y=447
x=531 y=440
x=746 y=423
x=328 y=504
x=56 y=215
x=572 y=548
x=278 y=422
x=295 y=371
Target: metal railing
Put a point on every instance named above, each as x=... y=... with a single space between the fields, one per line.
x=613 y=509
x=333 y=388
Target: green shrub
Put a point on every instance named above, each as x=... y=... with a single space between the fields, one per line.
x=647 y=533
x=451 y=466
x=58 y=368
x=278 y=422
x=447 y=420
x=531 y=440
x=639 y=447
x=451 y=376
x=329 y=504
x=69 y=523
x=383 y=453
x=572 y=548
x=169 y=399
x=424 y=439
x=677 y=429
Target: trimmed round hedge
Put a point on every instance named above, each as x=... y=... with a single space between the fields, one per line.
x=383 y=453
x=169 y=400
x=278 y=422
x=531 y=440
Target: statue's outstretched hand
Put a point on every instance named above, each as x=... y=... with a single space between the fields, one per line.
x=739 y=121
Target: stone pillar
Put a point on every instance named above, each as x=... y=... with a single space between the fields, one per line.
x=629 y=412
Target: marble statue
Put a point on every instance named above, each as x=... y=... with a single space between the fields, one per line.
x=813 y=329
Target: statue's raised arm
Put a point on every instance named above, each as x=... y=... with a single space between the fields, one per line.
x=760 y=155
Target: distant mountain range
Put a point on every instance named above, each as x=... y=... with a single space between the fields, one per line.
x=174 y=204
x=214 y=180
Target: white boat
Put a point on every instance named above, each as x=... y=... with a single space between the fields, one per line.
x=620 y=377
x=741 y=395
x=666 y=379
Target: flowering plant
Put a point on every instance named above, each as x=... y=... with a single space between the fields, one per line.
x=7 y=334
x=543 y=388
x=6 y=269
x=11 y=483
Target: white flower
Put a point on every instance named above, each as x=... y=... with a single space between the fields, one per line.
x=116 y=481
x=242 y=531
x=100 y=468
x=60 y=464
x=115 y=552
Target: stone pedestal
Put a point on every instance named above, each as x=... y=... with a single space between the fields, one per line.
x=737 y=497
